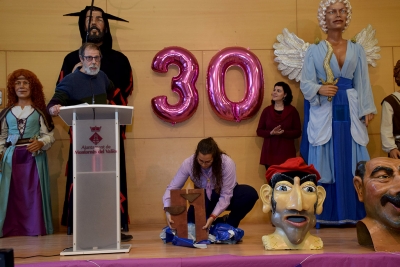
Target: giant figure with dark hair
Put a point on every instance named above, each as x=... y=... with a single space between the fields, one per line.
x=26 y=134
x=118 y=69
x=279 y=125
x=377 y=183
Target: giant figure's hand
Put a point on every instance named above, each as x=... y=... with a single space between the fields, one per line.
x=368 y=118
x=394 y=153
x=34 y=145
x=76 y=66
x=328 y=90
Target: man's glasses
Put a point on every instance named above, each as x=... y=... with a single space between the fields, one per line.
x=90 y=58
x=23 y=82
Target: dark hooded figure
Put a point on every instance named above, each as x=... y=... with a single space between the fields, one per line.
x=117 y=67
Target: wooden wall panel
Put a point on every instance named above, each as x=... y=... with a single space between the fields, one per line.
x=375 y=145
x=382 y=85
x=151 y=165
x=3 y=73
x=382 y=15
x=199 y=25
x=40 y=25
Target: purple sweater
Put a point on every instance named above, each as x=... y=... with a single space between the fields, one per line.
x=228 y=182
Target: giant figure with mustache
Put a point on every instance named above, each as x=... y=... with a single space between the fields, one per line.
x=294 y=199
x=377 y=183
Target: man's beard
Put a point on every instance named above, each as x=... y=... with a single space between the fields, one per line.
x=91 y=72
x=95 y=38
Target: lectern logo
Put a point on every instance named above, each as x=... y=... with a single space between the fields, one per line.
x=95 y=138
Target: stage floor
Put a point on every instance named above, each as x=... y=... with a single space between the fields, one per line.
x=147 y=244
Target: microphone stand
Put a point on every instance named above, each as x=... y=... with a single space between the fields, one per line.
x=90 y=19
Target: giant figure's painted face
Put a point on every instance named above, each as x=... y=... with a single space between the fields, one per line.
x=22 y=88
x=96 y=33
x=336 y=16
x=379 y=189
x=294 y=205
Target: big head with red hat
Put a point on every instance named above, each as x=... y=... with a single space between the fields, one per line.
x=292 y=167
x=293 y=197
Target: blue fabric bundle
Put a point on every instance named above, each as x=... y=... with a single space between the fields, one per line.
x=220 y=233
x=226 y=234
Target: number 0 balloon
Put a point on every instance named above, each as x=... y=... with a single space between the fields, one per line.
x=183 y=84
x=251 y=66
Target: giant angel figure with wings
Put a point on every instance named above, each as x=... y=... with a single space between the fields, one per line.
x=338 y=104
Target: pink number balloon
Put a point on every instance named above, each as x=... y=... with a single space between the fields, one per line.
x=251 y=66
x=183 y=84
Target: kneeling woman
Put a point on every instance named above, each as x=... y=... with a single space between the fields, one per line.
x=213 y=170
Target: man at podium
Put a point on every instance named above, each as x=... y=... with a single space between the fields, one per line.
x=94 y=27
x=87 y=84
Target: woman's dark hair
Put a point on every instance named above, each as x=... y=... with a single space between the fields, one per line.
x=209 y=146
x=286 y=89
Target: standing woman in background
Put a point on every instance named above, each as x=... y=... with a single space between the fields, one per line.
x=26 y=133
x=279 y=125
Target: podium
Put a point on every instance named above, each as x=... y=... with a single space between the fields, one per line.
x=96 y=190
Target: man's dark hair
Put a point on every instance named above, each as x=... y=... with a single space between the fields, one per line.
x=360 y=169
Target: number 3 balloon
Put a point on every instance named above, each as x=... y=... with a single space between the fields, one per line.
x=251 y=66
x=183 y=84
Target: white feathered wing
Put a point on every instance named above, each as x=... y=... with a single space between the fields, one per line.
x=291 y=50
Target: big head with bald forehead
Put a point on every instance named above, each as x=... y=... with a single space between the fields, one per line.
x=377 y=183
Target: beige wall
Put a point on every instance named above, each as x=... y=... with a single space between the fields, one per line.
x=35 y=35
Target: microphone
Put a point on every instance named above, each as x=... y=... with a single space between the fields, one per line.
x=91 y=87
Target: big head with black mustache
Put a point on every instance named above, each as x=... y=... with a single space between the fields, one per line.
x=294 y=199
x=377 y=183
